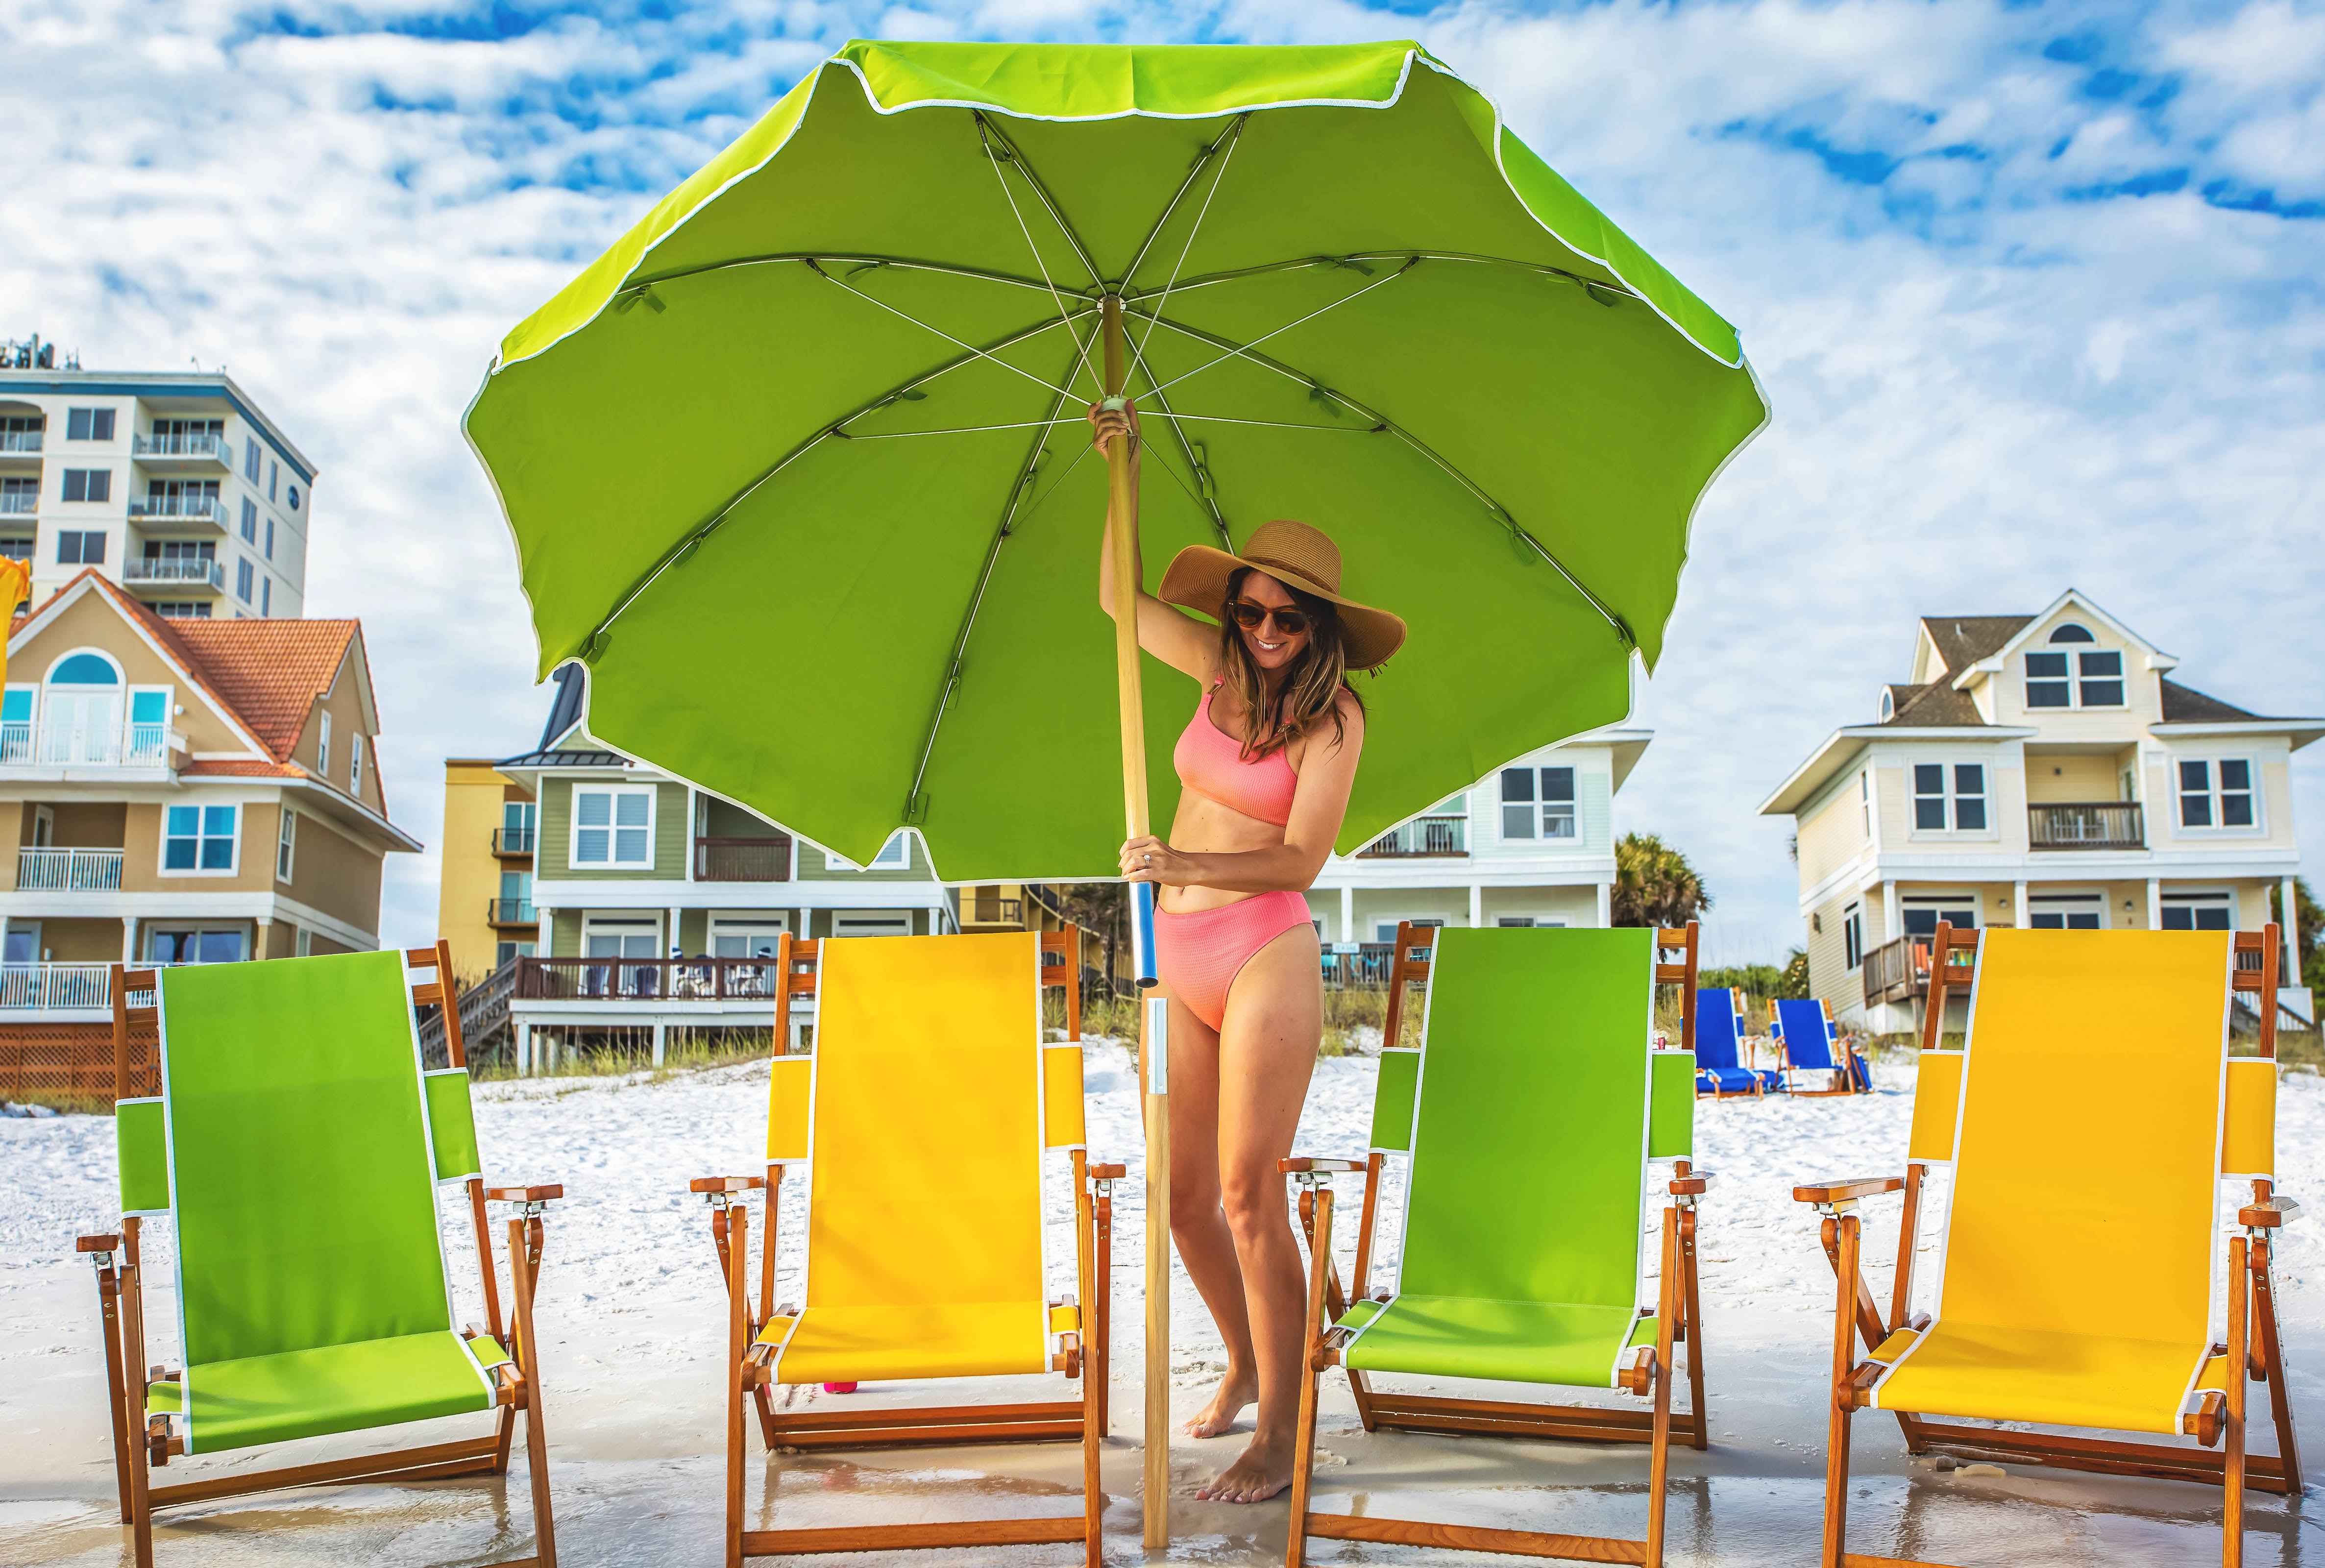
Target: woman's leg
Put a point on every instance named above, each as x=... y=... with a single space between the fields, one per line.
x=1267 y=1053
x=1198 y=1224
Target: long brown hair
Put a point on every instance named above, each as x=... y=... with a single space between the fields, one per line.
x=1312 y=687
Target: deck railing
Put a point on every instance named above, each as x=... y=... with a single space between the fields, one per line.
x=761 y=859
x=67 y=870
x=54 y=987
x=610 y=980
x=20 y=441
x=512 y=840
x=1423 y=836
x=2093 y=825
x=174 y=570
x=1897 y=971
x=199 y=443
x=24 y=744
x=510 y=912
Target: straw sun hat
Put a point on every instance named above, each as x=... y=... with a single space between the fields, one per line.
x=1297 y=556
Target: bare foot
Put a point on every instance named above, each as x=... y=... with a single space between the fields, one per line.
x=1264 y=1470
x=1236 y=1389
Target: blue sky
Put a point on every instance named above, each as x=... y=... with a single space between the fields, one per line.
x=2034 y=290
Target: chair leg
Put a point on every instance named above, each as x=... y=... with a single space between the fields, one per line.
x=131 y=1405
x=536 y=1437
x=108 y=1302
x=738 y=1345
x=2232 y=1524
x=1694 y=1319
x=1844 y=1231
x=1312 y=1344
x=2271 y=1350
x=1093 y=1368
x=1659 y=1453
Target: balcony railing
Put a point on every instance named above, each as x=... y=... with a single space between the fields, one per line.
x=20 y=441
x=512 y=840
x=742 y=860
x=1423 y=836
x=606 y=979
x=510 y=912
x=67 y=870
x=178 y=571
x=20 y=503
x=56 y=987
x=23 y=744
x=1897 y=971
x=994 y=911
x=2097 y=825
x=191 y=508
x=186 y=444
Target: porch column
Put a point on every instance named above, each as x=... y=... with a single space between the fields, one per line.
x=661 y=1032
x=545 y=926
x=2019 y=914
x=1349 y=912
x=128 y=939
x=523 y=1049
x=258 y=938
x=676 y=951
x=1605 y=906
x=2289 y=929
x=2155 y=903
x=693 y=831
x=937 y=918
x=1892 y=925
x=1476 y=905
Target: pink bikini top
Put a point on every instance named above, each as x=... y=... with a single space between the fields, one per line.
x=1211 y=761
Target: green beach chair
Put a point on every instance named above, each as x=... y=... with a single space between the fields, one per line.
x=298 y=1144
x=1528 y=1119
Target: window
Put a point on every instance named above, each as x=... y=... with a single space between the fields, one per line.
x=182 y=609
x=88 y=424
x=286 y=845
x=16 y=549
x=1538 y=802
x=2217 y=793
x=2066 y=911
x=2098 y=676
x=242 y=580
x=2101 y=685
x=2200 y=912
x=195 y=947
x=306 y=943
x=23 y=943
x=81 y=549
x=1962 y=783
x=199 y=837
x=1852 y=935
x=20 y=495
x=517 y=821
x=250 y=459
x=746 y=939
x=1864 y=805
x=871 y=923
x=270 y=539
x=249 y=520
x=21 y=433
x=274 y=472
x=506 y=951
x=267 y=596
x=323 y=742
x=1923 y=911
x=89 y=484
x=354 y=765
x=613 y=827
x=895 y=855
x=295 y=497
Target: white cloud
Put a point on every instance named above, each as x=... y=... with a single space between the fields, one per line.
x=1985 y=390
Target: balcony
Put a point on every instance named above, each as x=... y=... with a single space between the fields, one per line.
x=19 y=504
x=1420 y=839
x=174 y=574
x=2097 y=825
x=994 y=910
x=67 y=870
x=204 y=446
x=742 y=860
x=1897 y=971
x=56 y=988
x=694 y=980
x=20 y=441
x=514 y=842
x=165 y=511
x=517 y=912
x=23 y=744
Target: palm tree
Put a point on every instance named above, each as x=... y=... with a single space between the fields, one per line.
x=1655 y=885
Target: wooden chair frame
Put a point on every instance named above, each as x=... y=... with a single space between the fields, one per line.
x=1679 y=1321
x=517 y=1383
x=1848 y=1057
x=2253 y=1338
x=1087 y=1355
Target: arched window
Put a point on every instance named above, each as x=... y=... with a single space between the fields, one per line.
x=2069 y=632
x=85 y=669
x=1888 y=703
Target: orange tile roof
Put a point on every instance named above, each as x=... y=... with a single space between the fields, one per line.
x=269 y=671
x=231 y=767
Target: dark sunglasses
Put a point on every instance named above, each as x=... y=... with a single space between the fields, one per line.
x=1250 y=616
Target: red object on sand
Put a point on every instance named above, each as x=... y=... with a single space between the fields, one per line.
x=840 y=1388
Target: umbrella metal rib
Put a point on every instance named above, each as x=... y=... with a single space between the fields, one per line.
x=939 y=331
x=1082 y=351
x=1194 y=171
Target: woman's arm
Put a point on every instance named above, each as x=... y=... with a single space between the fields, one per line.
x=1170 y=634
x=1328 y=771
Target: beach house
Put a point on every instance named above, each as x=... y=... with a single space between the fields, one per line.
x=179 y=792
x=2035 y=770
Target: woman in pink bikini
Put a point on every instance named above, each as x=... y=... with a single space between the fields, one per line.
x=1267 y=764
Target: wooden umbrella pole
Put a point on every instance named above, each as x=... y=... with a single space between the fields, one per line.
x=1153 y=1054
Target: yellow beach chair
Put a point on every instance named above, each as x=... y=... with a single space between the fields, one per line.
x=2089 y=1119
x=920 y=1119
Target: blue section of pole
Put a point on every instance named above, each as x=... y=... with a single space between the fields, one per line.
x=1142 y=930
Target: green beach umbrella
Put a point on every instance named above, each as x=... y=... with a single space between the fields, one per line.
x=798 y=469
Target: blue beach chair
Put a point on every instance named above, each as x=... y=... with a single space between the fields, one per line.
x=1811 y=1044
x=1720 y=1070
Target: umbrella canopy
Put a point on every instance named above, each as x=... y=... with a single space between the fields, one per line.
x=798 y=468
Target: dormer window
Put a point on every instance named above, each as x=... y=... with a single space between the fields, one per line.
x=2093 y=678
x=1888 y=704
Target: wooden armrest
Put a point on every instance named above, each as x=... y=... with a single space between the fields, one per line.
x=523 y=1194
x=1106 y=1172
x=725 y=1184
x=98 y=1244
x=2270 y=1213
x=1694 y=1184
x=1842 y=1191
x=1288 y=1167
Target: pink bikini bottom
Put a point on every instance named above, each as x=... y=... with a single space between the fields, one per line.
x=1199 y=953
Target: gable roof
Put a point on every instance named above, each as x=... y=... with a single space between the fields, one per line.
x=1962 y=641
